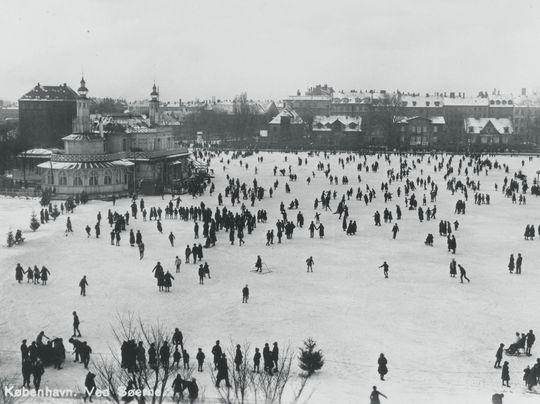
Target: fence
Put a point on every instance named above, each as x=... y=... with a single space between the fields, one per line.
x=18 y=192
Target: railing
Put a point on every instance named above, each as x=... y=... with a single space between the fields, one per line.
x=26 y=192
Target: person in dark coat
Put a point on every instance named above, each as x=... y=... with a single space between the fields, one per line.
x=201 y=275
x=26 y=372
x=238 y=357
x=167 y=281
x=385 y=267
x=245 y=294
x=223 y=372
x=462 y=274
x=176 y=357
x=90 y=386
x=83 y=284
x=497 y=398
x=382 y=369
x=258 y=264
x=511 y=264
x=530 y=341
x=275 y=356
x=59 y=353
x=164 y=354
x=216 y=351
x=453 y=268
x=76 y=322
x=200 y=360
x=178 y=338
x=152 y=356
x=37 y=371
x=374 y=396
x=19 y=273
x=44 y=275
x=141 y=251
x=192 y=388
x=85 y=354
x=24 y=350
x=256 y=360
x=519 y=261
x=185 y=358
x=498 y=356
x=505 y=374
x=267 y=358
x=178 y=387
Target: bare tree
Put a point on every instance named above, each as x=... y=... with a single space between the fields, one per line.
x=272 y=384
x=142 y=382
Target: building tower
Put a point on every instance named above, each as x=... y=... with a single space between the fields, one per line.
x=154 y=106
x=81 y=123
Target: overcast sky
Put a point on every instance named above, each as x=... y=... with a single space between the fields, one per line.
x=203 y=48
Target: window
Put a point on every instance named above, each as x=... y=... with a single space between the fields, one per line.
x=506 y=129
x=414 y=103
x=435 y=129
x=62 y=178
x=77 y=180
x=124 y=145
x=427 y=103
x=118 y=176
x=93 y=179
x=107 y=179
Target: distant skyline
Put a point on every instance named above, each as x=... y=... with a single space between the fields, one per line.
x=269 y=49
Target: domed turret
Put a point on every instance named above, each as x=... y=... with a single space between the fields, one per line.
x=154 y=94
x=82 y=89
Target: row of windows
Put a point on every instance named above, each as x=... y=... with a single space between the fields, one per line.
x=92 y=179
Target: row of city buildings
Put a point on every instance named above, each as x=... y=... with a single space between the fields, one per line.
x=322 y=116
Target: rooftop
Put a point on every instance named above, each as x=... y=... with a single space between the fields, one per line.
x=47 y=93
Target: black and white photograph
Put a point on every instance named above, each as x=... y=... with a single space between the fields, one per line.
x=270 y=201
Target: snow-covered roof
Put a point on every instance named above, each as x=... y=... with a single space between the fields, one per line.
x=47 y=93
x=295 y=119
x=466 y=101
x=349 y=123
x=477 y=125
x=83 y=137
x=435 y=120
x=39 y=153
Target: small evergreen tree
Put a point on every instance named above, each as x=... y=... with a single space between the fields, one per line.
x=34 y=224
x=10 y=239
x=309 y=359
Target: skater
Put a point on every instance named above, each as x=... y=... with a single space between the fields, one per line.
x=223 y=372
x=90 y=386
x=216 y=352
x=511 y=264
x=177 y=263
x=453 y=268
x=200 y=360
x=76 y=322
x=238 y=358
x=141 y=250
x=201 y=275
x=382 y=369
x=530 y=342
x=374 y=396
x=310 y=263
x=37 y=372
x=505 y=374
x=19 y=273
x=395 y=230
x=44 y=275
x=83 y=284
x=258 y=264
x=519 y=261
x=171 y=239
x=176 y=357
x=275 y=357
x=245 y=294
x=178 y=338
x=256 y=360
x=385 y=268
x=462 y=274
x=498 y=356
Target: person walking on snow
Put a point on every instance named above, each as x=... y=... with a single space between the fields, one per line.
x=83 y=284
x=310 y=263
x=374 y=396
x=462 y=273
x=245 y=294
x=385 y=267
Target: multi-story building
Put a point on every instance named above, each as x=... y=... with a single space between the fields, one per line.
x=287 y=127
x=116 y=154
x=46 y=115
x=484 y=132
x=420 y=131
x=337 y=130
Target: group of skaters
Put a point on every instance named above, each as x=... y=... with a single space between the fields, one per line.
x=515 y=264
x=530 y=232
x=33 y=276
x=462 y=272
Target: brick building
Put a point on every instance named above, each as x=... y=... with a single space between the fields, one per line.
x=46 y=115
